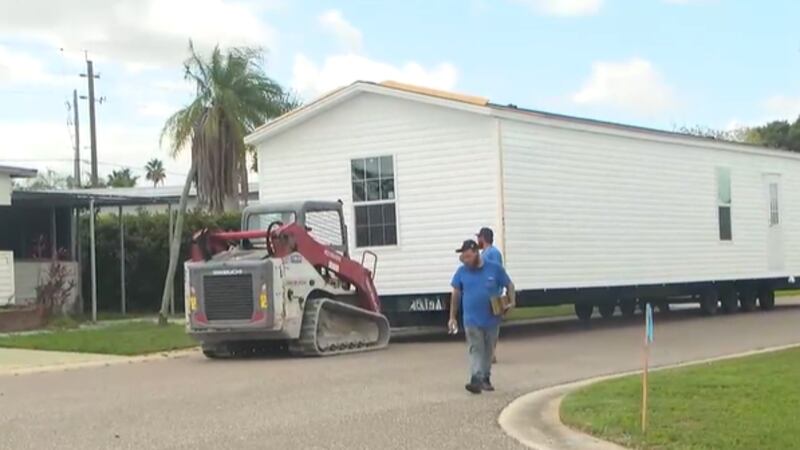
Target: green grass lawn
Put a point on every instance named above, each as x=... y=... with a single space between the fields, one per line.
x=540 y=312
x=747 y=403
x=125 y=338
x=789 y=293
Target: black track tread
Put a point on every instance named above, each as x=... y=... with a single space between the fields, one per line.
x=306 y=345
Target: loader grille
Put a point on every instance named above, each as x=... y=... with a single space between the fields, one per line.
x=228 y=297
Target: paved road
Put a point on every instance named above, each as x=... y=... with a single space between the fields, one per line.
x=410 y=396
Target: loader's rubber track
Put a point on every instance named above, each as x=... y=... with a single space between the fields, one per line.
x=331 y=327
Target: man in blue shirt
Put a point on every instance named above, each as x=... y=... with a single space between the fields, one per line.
x=489 y=253
x=474 y=284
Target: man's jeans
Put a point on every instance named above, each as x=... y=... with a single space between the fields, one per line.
x=480 y=341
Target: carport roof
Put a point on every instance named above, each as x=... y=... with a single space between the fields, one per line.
x=18 y=172
x=82 y=198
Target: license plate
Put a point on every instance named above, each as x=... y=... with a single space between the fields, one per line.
x=426 y=304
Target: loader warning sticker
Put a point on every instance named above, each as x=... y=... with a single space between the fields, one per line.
x=426 y=304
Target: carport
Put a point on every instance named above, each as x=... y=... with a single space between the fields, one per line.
x=55 y=214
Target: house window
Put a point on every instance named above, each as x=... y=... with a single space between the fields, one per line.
x=374 y=201
x=774 y=214
x=724 y=203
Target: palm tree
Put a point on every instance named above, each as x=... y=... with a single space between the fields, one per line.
x=121 y=178
x=155 y=171
x=233 y=96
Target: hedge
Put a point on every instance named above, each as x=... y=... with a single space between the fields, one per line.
x=146 y=257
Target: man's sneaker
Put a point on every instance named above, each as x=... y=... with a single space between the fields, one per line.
x=486 y=385
x=474 y=386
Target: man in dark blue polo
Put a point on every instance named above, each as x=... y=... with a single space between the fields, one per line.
x=474 y=284
x=489 y=253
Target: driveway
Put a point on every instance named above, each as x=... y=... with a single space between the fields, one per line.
x=409 y=396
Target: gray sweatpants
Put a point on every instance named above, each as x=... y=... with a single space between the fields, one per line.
x=480 y=342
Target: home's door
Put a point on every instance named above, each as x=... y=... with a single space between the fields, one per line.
x=775 y=254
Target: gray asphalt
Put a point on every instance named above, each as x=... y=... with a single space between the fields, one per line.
x=409 y=396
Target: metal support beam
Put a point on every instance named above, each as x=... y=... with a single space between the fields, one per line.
x=76 y=256
x=53 y=234
x=93 y=257
x=171 y=235
x=122 y=261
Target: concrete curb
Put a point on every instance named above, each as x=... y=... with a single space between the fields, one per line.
x=112 y=360
x=534 y=419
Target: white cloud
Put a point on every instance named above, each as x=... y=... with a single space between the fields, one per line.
x=119 y=145
x=563 y=8
x=334 y=22
x=141 y=33
x=339 y=70
x=21 y=68
x=633 y=85
x=175 y=86
x=783 y=107
x=156 y=109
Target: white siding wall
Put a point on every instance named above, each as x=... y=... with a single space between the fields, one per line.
x=5 y=189
x=445 y=172
x=590 y=209
x=6 y=277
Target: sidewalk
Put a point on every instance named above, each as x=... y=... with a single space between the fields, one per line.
x=17 y=361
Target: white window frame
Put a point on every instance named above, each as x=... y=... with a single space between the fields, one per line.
x=356 y=204
x=721 y=204
x=774 y=206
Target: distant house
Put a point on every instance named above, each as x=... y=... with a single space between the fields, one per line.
x=7 y=283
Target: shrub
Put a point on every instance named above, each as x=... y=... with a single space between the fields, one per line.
x=146 y=257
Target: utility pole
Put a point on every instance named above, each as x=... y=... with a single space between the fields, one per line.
x=92 y=128
x=77 y=168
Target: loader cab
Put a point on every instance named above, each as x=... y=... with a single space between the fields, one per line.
x=323 y=220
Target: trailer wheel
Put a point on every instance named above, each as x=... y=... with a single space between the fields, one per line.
x=747 y=299
x=627 y=307
x=709 y=301
x=584 y=311
x=766 y=298
x=729 y=301
x=607 y=309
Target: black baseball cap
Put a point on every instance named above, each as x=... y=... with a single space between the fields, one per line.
x=469 y=244
x=486 y=233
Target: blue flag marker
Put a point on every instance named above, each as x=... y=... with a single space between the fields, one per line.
x=648 y=330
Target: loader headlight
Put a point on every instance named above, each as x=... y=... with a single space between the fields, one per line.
x=262 y=297
x=192 y=300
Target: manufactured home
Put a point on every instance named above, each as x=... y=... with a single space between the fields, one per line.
x=584 y=211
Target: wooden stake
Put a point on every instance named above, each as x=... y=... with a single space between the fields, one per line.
x=645 y=367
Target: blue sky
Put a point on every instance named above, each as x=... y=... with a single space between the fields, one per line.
x=659 y=63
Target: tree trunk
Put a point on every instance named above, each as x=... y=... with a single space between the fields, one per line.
x=175 y=246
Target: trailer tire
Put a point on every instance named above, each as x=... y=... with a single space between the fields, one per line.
x=584 y=311
x=766 y=298
x=730 y=302
x=709 y=301
x=607 y=309
x=747 y=299
x=627 y=307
